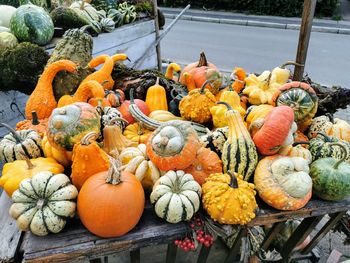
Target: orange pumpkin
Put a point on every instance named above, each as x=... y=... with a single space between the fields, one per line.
x=103 y=217
x=35 y=124
x=207 y=162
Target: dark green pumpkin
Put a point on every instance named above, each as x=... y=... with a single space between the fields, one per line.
x=331 y=178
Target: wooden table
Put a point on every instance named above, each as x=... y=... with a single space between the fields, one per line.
x=76 y=243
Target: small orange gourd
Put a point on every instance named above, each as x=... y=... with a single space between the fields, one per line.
x=240 y=75
x=169 y=74
x=42 y=99
x=88 y=159
x=85 y=91
x=156 y=97
x=189 y=82
x=35 y=124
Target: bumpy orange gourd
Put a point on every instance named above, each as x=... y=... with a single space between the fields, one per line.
x=84 y=92
x=35 y=124
x=111 y=203
x=62 y=157
x=88 y=159
x=156 y=97
x=196 y=105
x=169 y=74
x=207 y=162
x=42 y=99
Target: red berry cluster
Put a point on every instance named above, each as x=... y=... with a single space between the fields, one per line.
x=197 y=227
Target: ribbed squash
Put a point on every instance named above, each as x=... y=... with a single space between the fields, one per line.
x=88 y=159
x=239 y=154
x=42 y=100
x=156 y=97
x=137 y=133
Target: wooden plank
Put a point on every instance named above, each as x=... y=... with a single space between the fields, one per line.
x=271 y=235
x=334 y=257
x=156 y=26
x=135 y=256
x=304 y=37
x=203 y=254
x=171 y=253
x=77 y=243
x=10 y=236
x=334 y=218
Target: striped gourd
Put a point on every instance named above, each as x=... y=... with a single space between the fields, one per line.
x=20 y=145
x=215 y=140
x=239 y=154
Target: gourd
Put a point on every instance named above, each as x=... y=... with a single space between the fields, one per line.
x=203 y=71
x=13 y=173
x=239 y=154
x=6 y=13
x=35 y=124
x=76 y=46
x=156 y=97
x=69 y=124
x=189 y=82
x=43 y=203
x=84 y=92
x=239 y=76
x=256 y=112
x=61 y=156
x=31 y=23
x=114 y=142
x=7 y=40
x=112 y=98
x=274 y=131
x=169 y=73
x=229 y=199
x=42 y=99
x=283 y=182
x=330 y=126
x=301 y=97
x=114 y=218
x=137 y=133
x=296 y=151
x=176 y=97
x=134 y=110
x=107 y=24
x=207 y=162
x=111 y=116
x=20 y=145
x=163 y=116
x=88 y=159
x=330 y=177
x=196 y=105
x=173 y=146
x=128 y=11
x=176 y=196
x=136 y=161
x=85 y=9
x=258 y=88
x=215 y=140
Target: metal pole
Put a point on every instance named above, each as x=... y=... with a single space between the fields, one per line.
x=304 y=37
x=156 y=23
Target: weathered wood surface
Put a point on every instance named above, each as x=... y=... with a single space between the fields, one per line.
x=9 y=233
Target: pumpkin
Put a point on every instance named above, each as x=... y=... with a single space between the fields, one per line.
x=156 y=97
x=61 y=156
x=124 y=109
x=301 y=97
x=13 y=173
x=215 y=140
x=115 y=97
x=136 y=161
x=69 y=124
x=274 y=131
x=35 y=124
x=254 y=113
x=169 y=73
x=196 y=105
x=84 y=92
x=114 y=141
x=239 y=153
x=258 y=88
x=229 y=199
x=114 y=218
x=137 y=133
x=188 y=81
x=163 y=116
x=173 y=146
x=43 y=203
x=332 y=127
x=296 y=151
x=42 y=99
x=88 y=159
x=207 y=162
x=330 y=177
x=201 y=72
x=20 y=145
x=283 y=182
x=176 y=196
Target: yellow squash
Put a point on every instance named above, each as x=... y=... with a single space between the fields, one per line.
x=156 y=97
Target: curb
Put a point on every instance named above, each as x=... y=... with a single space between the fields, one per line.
x=242 y=22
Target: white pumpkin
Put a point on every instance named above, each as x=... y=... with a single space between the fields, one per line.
x=176 y=196
x=42 y=203
x=136 y=161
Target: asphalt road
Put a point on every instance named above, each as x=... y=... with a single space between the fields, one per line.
x=257 y=49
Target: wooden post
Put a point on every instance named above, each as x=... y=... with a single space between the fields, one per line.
x=304 y=37
x=156 y=22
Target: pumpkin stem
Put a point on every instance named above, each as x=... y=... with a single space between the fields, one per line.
x=35 y=119
x=233 y=182
x=202 y=62
x=115 y=120
x=287 y=63
x=344 y=155
x=14 y=133
x=82 y=4
x=83 y=29
x=88 y=137
x=114 y=172
x=157 y=81
x=140 y=129
x=203 y=86
x=301 y=142
x=228 y=106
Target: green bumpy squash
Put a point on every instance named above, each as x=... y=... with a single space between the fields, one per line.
x=33 y=24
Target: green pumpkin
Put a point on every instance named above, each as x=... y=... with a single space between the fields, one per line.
x=69 y=124
x=330 y=178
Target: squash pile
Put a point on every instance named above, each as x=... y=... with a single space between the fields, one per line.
x=224 y=144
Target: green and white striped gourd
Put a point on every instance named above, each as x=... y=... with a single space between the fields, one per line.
x=107 y=24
